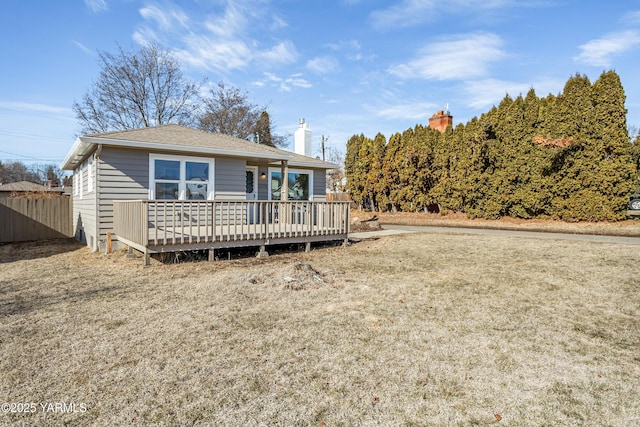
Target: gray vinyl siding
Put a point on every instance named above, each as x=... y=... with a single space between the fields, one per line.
x=123 y=175
x=263 y=183
x=230 y=179
x=319 y=185
x=84 y=203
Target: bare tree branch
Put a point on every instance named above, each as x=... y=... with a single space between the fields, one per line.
x=138 y=89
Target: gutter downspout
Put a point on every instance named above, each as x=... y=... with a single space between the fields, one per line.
x=96 y=171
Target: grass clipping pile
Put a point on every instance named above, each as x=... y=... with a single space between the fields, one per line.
x=298 y=277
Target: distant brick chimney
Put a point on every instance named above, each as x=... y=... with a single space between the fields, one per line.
x=441 y=120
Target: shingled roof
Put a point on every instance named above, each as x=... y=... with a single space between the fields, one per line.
x=176 y=138
x=22 y=186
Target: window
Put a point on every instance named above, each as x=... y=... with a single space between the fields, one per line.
x=77 y=182
x=90 y=175
x=180 y=178
x=197 y=178
x=299 y=184
x=76 y=179
x=167 y=179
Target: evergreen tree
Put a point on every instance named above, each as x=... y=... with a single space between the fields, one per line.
x=374 y=187
x=392 y=173
x=567 y=156
x=352 y=167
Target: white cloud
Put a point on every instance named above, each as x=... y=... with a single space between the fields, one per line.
x=464 y=57
x=404 y=14
x=345 y=45
x=394 y=105
x=231 y=24
x=96 y=6
x=600 y=52
x=323 y=65
x=282 y=53
x=284 y=84
x=277 y=22
x=297 y=81
x=351 y=50
x=166 y=19
x=208 y=53
x=408 y=13
x=83 y=47
x=409 y=110
x=34 y=107
x=228 y=40
x=482 y=94
x=145 y=36
x=632 y=18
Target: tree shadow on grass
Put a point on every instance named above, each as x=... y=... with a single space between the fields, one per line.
x=22 y=251
x=19 y=305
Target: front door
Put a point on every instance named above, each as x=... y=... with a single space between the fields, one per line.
x=252 y=183
x=252 y=193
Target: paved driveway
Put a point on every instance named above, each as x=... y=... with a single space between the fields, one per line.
x=389 y=229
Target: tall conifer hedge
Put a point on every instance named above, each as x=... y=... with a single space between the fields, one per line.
x=567 y=156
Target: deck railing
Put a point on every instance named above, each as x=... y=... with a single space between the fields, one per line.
x=151 y=223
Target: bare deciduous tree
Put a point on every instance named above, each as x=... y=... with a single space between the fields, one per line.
x=228 y=110
x=335 y=177
x=137 y=89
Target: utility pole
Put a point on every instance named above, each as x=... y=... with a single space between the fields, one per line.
x=323 y=147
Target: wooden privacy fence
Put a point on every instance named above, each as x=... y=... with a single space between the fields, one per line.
x=23 y=220
x=338 y=197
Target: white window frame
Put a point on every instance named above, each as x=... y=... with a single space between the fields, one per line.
x=79 y=191
x=300 y=171
x=182 y=183
x=90 y=175
x=76 y=179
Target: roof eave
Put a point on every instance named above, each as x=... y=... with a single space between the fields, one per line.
x=183 y=148
x=314 y=165
x=78 y=152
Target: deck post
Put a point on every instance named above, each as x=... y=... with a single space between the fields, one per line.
x=284 y=185
x=307 y=247
x=263 y=252
x=130 y=253
x=147 y=258
x=212 y=254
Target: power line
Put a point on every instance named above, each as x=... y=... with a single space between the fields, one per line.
x=18 y=134
x=24 y=157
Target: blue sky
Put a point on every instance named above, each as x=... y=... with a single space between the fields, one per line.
x=346 y=66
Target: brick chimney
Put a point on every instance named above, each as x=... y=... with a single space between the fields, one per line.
x=441 y=120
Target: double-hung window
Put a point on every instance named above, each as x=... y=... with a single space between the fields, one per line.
x=180 y=178
x=299 y=184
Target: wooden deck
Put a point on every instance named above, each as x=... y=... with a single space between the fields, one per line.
x=153 y=226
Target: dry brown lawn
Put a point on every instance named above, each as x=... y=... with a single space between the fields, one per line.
x=418 y=329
